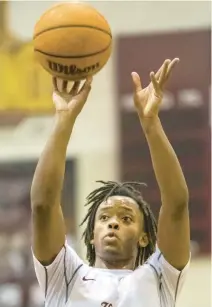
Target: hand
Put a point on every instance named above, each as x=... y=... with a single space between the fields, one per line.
x=70 y=102
x=148 y=100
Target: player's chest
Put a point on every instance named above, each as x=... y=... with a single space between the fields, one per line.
x=107 y=291
x=96 y=291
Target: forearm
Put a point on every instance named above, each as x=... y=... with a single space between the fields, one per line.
x=166 y=166
x=49 y=175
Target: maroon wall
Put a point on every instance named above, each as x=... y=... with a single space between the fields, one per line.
x=185 y=119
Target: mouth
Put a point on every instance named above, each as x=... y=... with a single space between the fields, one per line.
x=111 y=235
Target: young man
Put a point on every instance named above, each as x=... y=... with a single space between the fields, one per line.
x=126 y=266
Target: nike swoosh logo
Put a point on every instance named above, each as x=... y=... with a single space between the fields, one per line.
x=87 y=279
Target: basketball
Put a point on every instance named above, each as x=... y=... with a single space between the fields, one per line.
x=72 y=41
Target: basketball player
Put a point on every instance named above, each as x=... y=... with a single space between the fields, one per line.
x=126 y=265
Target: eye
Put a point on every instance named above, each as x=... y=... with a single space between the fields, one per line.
x=104 y=217
x=127 y=219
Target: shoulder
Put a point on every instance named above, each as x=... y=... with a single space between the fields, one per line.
x=158 y=271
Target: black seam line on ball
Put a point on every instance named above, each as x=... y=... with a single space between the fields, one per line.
x=72 y=26
x=72 y=56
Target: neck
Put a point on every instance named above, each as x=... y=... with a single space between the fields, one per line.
x=115 y=265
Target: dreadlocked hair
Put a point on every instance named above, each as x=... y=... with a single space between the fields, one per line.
x=111 y=188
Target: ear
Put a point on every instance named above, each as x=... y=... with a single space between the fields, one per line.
x=143 y=241
x=92 y=242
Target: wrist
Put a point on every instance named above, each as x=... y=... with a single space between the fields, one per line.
x=64 y=119
x=64 y=122
x=150 y=125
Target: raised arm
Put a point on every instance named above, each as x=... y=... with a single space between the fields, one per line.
x=47 y=217
x=173 y=225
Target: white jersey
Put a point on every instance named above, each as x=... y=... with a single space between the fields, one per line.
x=69 y=282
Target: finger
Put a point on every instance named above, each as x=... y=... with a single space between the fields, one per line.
x=136 y=82
x=163 y=74
x=86 y=87
x=158 y=73
x=64 y=86
x=54 y=82
x=171 y=66
x=154 y=81
x=75 y=88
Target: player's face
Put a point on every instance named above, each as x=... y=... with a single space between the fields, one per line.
x=118 y=230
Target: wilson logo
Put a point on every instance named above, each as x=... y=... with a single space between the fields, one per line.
x=72 y=69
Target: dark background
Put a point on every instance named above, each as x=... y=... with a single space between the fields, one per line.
x=185 y=117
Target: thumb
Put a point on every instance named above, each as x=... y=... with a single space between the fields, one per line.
x=136 y=82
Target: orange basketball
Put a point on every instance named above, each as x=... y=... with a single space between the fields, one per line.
x=72 y=41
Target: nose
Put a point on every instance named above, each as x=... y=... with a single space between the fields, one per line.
x=113 y=225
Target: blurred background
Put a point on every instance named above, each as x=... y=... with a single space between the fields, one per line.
x=107 y=142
